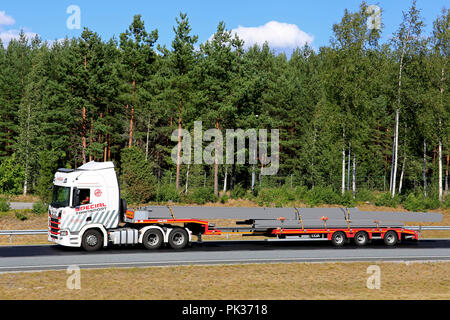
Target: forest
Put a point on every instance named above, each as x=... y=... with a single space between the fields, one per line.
x=358 y=119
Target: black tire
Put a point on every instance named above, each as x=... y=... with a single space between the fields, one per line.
x=178 y=238
x=152 y=239
x=92 y=240
x=338 y=239
x=390 y=238
x=361 y=238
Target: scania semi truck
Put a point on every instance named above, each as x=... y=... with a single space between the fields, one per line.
x=87 y=211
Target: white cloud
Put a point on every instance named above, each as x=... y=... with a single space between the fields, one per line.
x=279 y=35
x=8 y=35
x=5 y=19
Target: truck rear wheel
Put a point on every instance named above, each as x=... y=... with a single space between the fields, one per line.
x=390 y=238
x=178 y=238
x=152 y=239
x=338 y=239
x=361 y=238
x=92 y=240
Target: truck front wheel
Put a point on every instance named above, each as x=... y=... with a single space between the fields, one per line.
x=92 y=240
x=178 y=238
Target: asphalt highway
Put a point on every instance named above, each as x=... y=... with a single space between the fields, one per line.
x=55 y=257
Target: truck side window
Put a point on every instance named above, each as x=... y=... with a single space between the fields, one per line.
x=85 y=196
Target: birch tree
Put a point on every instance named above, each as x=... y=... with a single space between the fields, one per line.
x=404 y=41
x=352 y=38
x=441 y=49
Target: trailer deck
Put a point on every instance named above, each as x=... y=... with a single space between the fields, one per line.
x=311 y=223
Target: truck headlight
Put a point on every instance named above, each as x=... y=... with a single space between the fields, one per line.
x=64 y=233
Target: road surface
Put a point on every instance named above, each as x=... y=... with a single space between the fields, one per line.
x=54 y=257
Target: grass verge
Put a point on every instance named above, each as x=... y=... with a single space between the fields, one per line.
x=293 y=281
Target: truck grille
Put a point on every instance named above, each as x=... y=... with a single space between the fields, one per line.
x=54 y=224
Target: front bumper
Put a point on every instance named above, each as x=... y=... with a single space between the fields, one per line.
x=67 y=241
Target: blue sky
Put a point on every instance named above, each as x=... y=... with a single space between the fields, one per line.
x=296 y=19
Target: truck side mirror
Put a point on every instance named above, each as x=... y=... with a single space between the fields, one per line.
x=76 y=197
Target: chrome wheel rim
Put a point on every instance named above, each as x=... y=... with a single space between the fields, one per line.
x=390 y=238
x=91 y=240
x=153 y=239
x=178 y=238
x=361 y=238
x=339 y=238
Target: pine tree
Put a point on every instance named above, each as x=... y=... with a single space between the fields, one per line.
x=32 y=107
x=17 y=63
x=137 y=55
x=217 y=71
x=181 y=61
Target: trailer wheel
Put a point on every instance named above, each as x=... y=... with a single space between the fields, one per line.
x=390 y=238
x=178 y=238
x=338 y=239
x=92 y=240
x=152 y=239
x=361 y=238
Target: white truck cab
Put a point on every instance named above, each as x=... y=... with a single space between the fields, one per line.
x=86 y=199
x=86 y=211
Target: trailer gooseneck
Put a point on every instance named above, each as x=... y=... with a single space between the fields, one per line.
x=86 y=211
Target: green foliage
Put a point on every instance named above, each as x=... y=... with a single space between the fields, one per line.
x=420 y=203
x=446 y=203
x=203 y=195
x=385 y=199
x=167 y=192
x=21 y=215
x=347 y=200
x=11 y=176
x=90 y=99
x=283 y=196
x=40 y=207
x=48 y=164
x=224 y=199
x=277 y=197
x=137 y=179
x=364 y=195
x=300 y=192
x=322 y=195
x=238 y=192
x=4 y=205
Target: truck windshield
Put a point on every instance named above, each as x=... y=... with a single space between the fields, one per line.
x=60 y=197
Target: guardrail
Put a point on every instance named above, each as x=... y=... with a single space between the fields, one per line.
x=423 y=228
x=12 y=233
